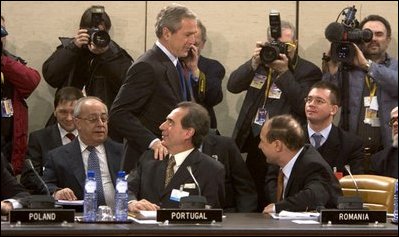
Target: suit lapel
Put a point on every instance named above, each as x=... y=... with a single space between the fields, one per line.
x=294 y=174
x=75 y=160
x=55 y=136
x=112 y=160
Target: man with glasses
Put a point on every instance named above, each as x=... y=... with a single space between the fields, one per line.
x=385 y=162
x=336 y=146
x=272 y=89
x=66 y=166
x=48 y=138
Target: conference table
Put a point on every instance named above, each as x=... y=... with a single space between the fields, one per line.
x=233 y=224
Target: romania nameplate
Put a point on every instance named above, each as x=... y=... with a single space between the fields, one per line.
x=190 y=216
x=352 y=216
x=42 y=215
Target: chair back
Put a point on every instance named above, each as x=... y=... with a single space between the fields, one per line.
x=376 y=191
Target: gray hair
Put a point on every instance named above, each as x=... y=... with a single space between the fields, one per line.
x=171 y=17
x=203 y=31
x=284 y=25
x=78 y=107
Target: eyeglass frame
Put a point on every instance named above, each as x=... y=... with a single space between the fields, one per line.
x=392 y=121
x=317 y=100
x=98 y=117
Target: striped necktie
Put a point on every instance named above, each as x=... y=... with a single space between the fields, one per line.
x=94 y=164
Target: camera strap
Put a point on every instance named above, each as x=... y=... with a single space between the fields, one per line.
x=372 y=86
x=268 y=84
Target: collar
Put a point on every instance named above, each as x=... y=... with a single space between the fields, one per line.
x=180 y=157
x=64 y=132
x=287 y=169
x=167 y=52
x=325 y=132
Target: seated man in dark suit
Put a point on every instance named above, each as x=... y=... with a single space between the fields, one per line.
x=154 y=180
x=305 y=181
x=48 y=138
x=385 y=162
x=66 y=167
x=241 y=195
x=11 y=191
x=336 y=146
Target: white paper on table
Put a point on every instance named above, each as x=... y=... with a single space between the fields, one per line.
x=288 y=215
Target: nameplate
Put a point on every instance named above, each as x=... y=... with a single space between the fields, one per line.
x=190 y=216
x=42 y=216
x=352 y=216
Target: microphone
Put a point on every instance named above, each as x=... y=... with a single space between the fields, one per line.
x=193 y=201
x=353 y=202
x=334 y=32
x=39 y=201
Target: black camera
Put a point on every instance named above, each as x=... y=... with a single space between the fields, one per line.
x=271 y=51
x=100 y=38
x=342 y=36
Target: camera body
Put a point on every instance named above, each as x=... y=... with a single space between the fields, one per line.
x=342 y=48
x=271 y=50
x=100 y=38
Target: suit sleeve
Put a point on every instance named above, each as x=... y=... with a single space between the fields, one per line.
x=241 y=78
x=50 y=174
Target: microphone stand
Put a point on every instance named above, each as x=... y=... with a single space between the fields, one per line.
x=193 y=201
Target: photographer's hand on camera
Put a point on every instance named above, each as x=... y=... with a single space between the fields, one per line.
x=280 y=65
x=256 y=55
x=360 y=60
x=97 y=50
x=329 y=65
x=82 y=38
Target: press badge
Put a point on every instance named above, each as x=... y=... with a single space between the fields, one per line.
x=177 y=194
x=371 y=102
x=261 y=116
x=275 y=92
x=258 y=81
x=6 y=108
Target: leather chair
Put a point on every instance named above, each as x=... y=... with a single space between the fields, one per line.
x=376 y=191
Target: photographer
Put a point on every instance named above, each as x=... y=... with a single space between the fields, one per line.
x=275 y=88
x=372 y=86
x=18 y=81
x=91 y=60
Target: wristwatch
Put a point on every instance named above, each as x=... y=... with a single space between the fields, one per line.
x=368 y=65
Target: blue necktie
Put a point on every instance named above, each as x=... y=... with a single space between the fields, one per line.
x=182 y=80
x=94 y=164
x=317 y=139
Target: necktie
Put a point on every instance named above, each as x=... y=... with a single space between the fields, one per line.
x=169 y=170
x=71 y=136
x=280 y=185
x=94 y=164
x=317 y=139
x=182 y=80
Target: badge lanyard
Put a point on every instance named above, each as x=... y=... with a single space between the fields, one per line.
x=372 y=87
x=269 y=79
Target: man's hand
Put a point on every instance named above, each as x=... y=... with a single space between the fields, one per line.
x=191 y=61
x=142 y=205
x=65 y=194
x=280 y=65
x=256 y=55
x=269 y=209
x=6 y=207
x=97 y=50
x=81 y=38
x=159 y=150
x=360 y=60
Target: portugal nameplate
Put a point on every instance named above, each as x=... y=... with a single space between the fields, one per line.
x=190 y=216
x=42 y=216
x=334 y=216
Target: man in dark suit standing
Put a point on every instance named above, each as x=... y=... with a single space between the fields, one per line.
x=336 y=146
x=305 y=180
x=161 y=183
x=153 y=86
x=205 y=76
x=241 y=194
x=66 y=166
x=48 y=138
x=272 y=88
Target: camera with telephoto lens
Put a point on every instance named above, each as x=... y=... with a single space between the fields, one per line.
x=342 y=36
x=271 y=50
x=100 y=38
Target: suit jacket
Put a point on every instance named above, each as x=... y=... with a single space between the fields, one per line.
x=342 y=148
x=151 y=90
x=148 y=180
x=10 y=188
x=312 y=184
x=241 y=195
x=294 y=88
x=40 y=143
x=64 y=167
x=385 y=162
x=214 y=73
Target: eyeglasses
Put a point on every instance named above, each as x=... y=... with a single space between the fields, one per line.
x=317 y=100
x=392 y=121
x=93 y=118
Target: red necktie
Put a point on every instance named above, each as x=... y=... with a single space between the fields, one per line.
x=71 y=136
